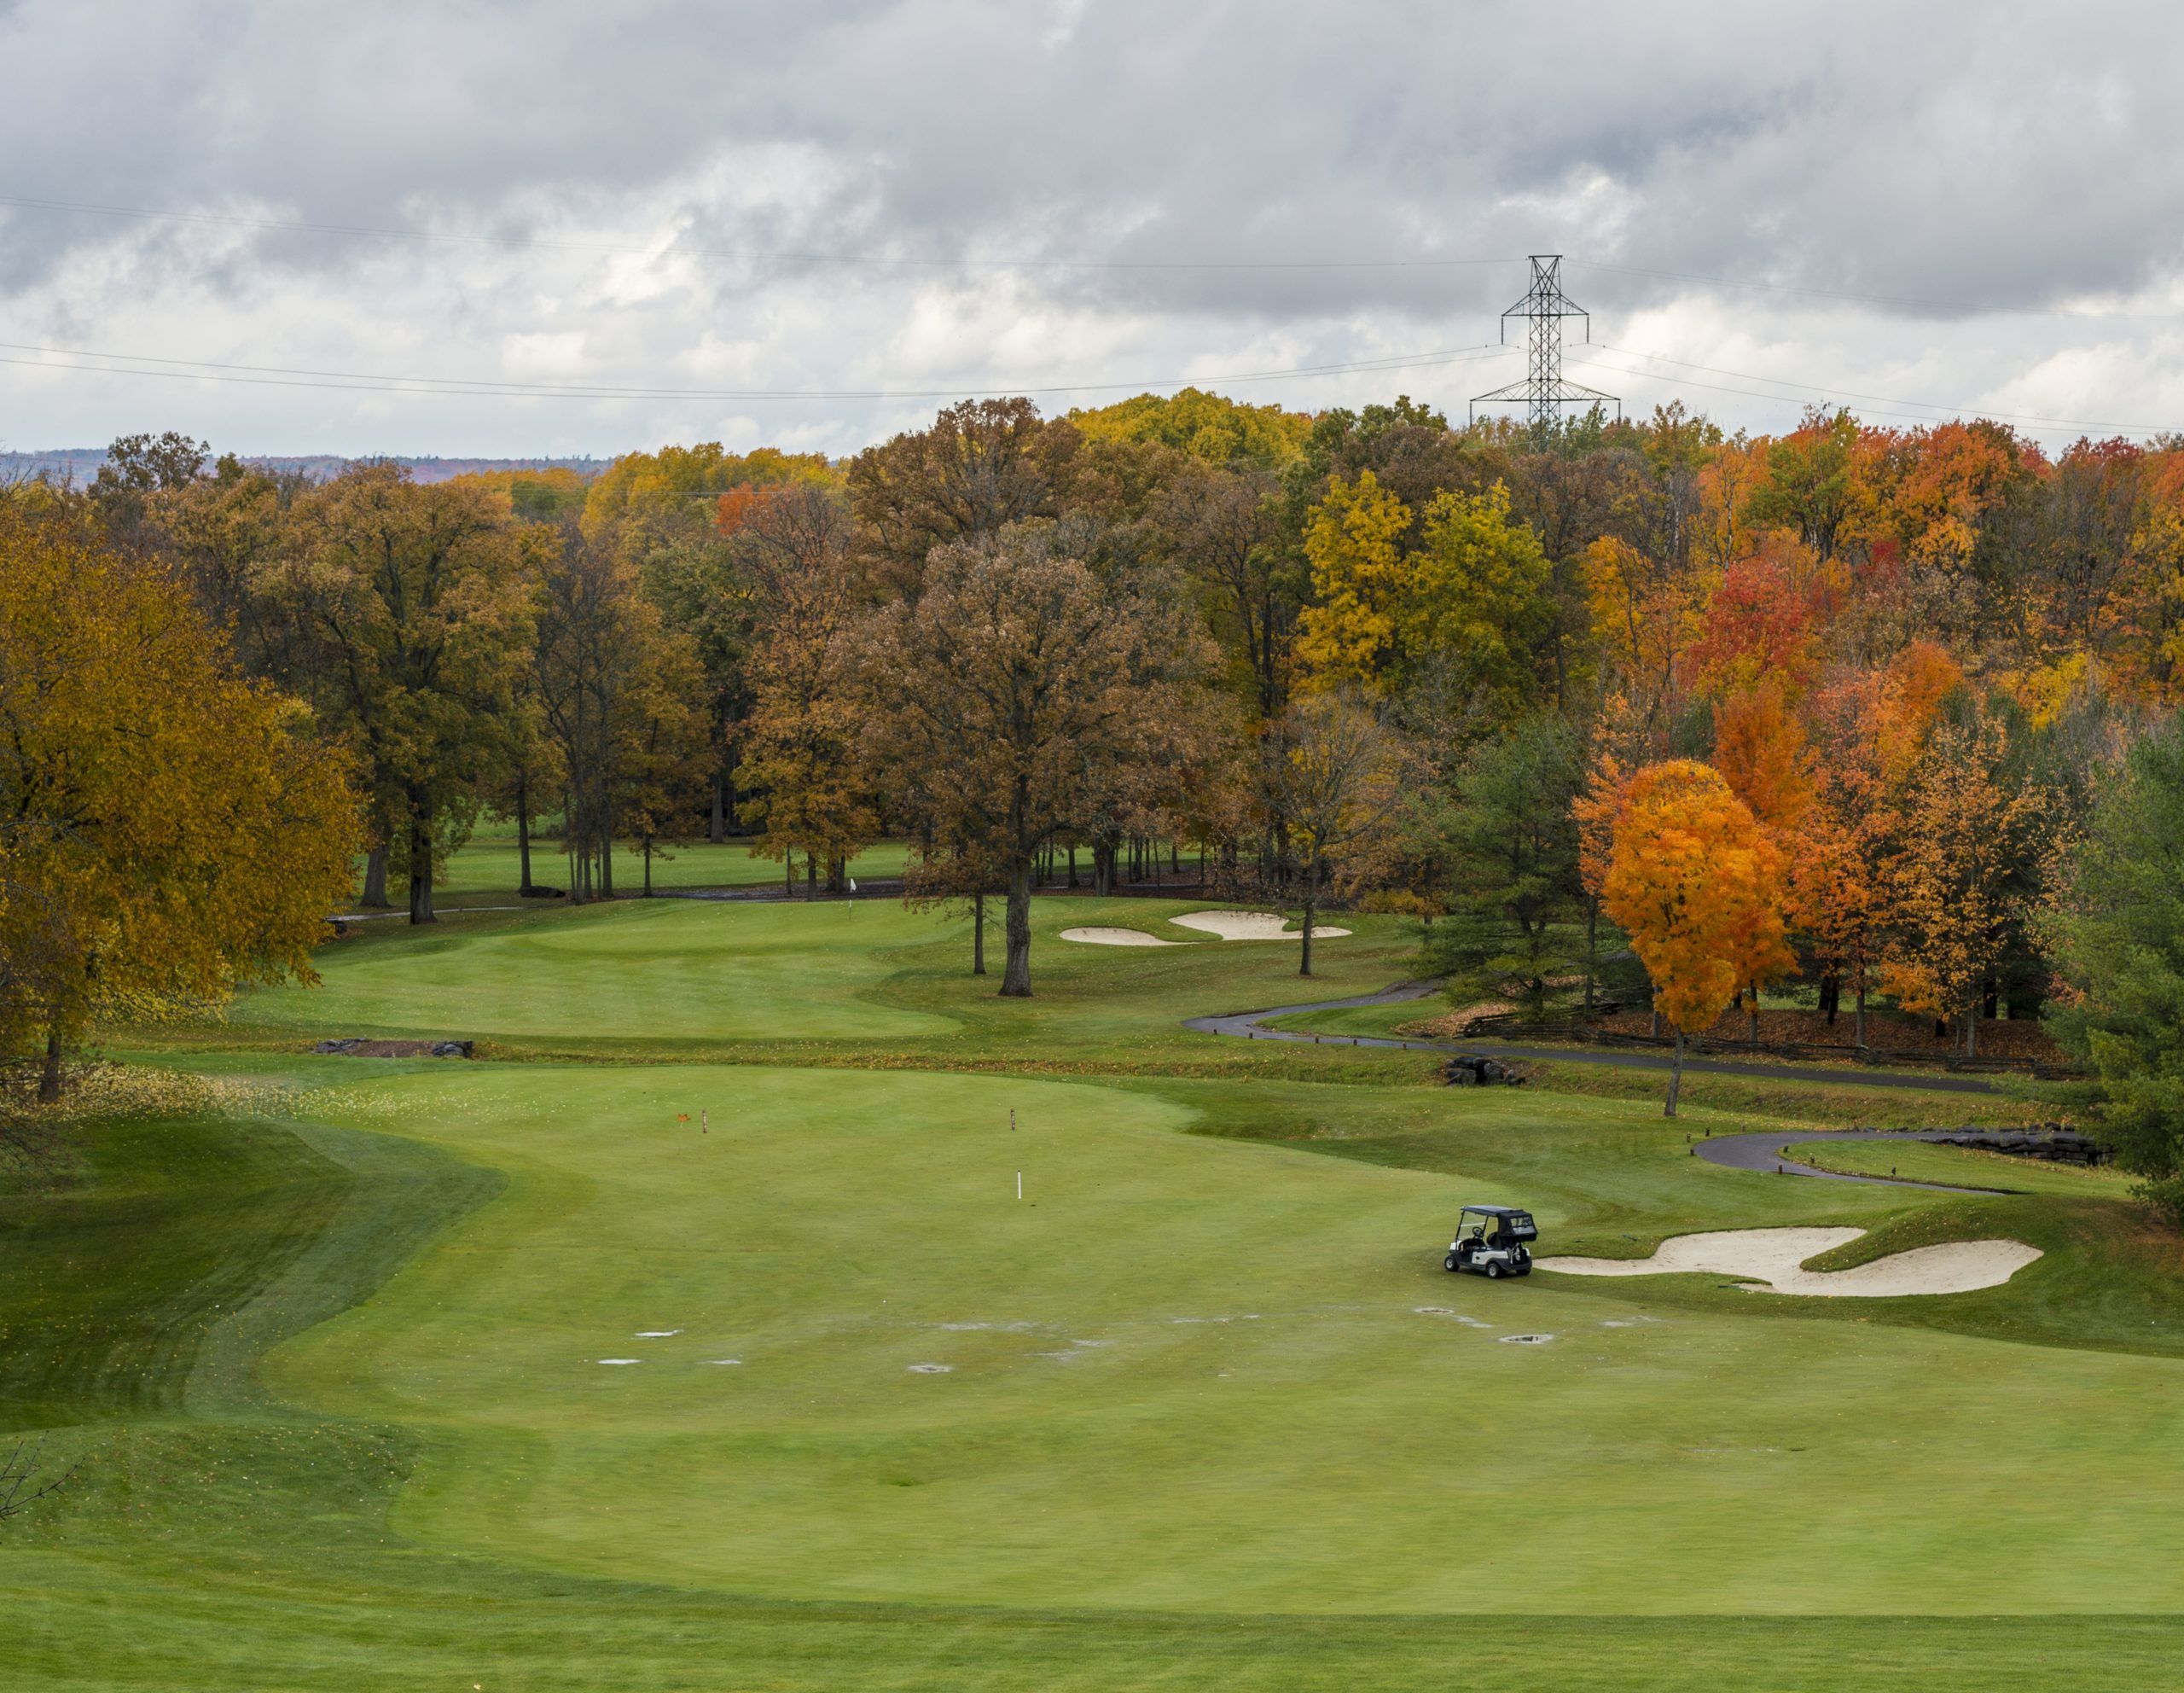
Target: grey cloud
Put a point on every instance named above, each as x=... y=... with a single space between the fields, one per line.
x=1993 y=157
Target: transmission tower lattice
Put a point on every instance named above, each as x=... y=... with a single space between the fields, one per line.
x=1543 y=392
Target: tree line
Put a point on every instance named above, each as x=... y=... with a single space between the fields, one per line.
x=1642 y=711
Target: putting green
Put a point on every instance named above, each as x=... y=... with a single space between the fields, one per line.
x=1183 y=1373
x=670 y=970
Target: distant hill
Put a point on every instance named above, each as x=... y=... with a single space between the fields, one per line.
x=80 y=464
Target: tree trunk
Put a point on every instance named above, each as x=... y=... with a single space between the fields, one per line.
x=717 y=830
x=810 y=877
x=646 y=848
x=1016 y=973
x=1754 y=1024
x=49 y=1080
x=606 y=858
x=1971 y=1029
x=1311 y=910
x=376 y=878
x=1072 y=865
x=978 y=935
x=1676 y=1077
x=523 y=832
x=420 y=859
x=1831 y=994
x=1858 y=1014
x=1592 y=948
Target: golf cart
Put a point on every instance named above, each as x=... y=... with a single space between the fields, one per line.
x=1493 y=1241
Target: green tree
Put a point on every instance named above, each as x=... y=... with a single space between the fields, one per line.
x=1512 y=847
x=2120 y=945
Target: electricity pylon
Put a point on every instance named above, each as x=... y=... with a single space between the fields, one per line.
x=1542 y=392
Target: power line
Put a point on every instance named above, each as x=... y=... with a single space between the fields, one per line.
x=1917 y=302
x=259 y=375
x=551 y=244
x=1927 y=413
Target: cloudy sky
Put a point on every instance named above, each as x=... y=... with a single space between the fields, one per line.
x=469 y=228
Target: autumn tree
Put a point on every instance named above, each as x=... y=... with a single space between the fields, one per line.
x=801 y=742
x=1340 y=771
x=409 y=619
x=1696 y=885
x=1964 y=872
x=618 y=693
x=168 y=831
x=1020 y=688
x=979 y=466
x=1469 y=599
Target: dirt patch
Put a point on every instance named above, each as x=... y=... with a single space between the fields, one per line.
x=1456 y=1024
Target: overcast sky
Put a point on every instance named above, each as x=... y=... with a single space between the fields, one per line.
x=1974 y=206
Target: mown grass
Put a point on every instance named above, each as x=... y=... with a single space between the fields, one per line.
x=330 y=1372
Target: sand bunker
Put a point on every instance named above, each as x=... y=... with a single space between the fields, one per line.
x=1251 y=926
x=1773 y=1256
x=1226 y=925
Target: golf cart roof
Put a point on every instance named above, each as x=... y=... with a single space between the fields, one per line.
x=1495 y=1211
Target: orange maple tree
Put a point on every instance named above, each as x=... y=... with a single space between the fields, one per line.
x=1697 y=885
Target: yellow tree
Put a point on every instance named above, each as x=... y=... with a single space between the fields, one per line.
x=801 y=741
x=1469 y=604
x=1970 y=848
x=1695 y=883
x=171 y=831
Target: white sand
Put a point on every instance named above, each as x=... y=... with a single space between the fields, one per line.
x=1774 y=1257
x=1251 y=926
x=1118 y=937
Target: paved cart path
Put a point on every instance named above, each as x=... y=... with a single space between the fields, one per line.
x=1251 y=1026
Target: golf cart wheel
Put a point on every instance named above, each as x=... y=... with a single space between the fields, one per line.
x=1452 y=1262
x=1493 y=1272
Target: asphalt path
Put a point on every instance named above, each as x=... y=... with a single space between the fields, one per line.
x=1251 y=1026
x=1764 y=1153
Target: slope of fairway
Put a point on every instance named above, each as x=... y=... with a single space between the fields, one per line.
x=1182 y=1373
x=659 y=970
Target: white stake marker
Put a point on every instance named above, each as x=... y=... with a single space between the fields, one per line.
x=1019 y=1184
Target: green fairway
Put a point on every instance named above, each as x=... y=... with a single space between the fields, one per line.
x=1914 y=1162
x=659 y=970
x=489 y=863
x=1201 y=1408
